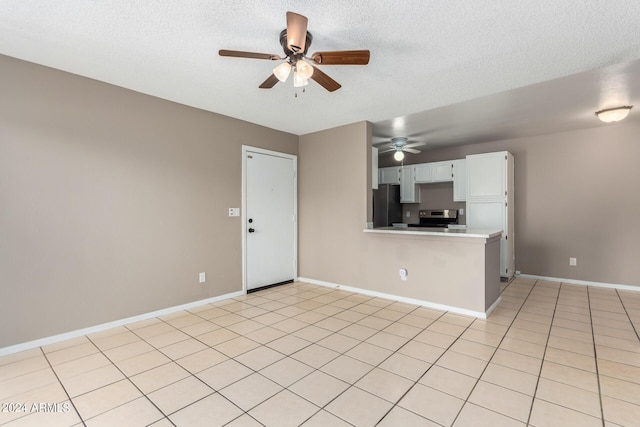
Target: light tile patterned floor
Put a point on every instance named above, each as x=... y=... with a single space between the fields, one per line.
x=298 y=354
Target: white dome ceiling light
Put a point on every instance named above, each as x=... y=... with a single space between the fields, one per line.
x=610 y=115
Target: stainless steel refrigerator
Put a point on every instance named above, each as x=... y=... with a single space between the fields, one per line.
x=386 y=205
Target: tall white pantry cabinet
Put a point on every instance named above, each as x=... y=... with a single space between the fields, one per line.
x=490 y=201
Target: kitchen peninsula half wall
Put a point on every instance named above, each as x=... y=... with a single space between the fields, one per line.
x=452 y=269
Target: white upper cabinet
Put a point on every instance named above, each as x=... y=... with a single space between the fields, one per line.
x=422 y=173
x=426 y=173
x=409 y=191
x=390 y=175
x=442 y=171
x=487 y=175
x=459 y=180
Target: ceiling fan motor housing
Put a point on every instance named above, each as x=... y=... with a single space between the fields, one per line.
x=288 y=52
x=399 y=141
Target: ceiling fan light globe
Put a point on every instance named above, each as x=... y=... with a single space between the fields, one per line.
x=299 y=80
x=282 y=71
x=304 y=69
x=398 y=155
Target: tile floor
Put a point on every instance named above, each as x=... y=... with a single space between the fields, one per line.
x=550 y=354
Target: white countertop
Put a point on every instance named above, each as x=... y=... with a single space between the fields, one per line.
x=440 y=232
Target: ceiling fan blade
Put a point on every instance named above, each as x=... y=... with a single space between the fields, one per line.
x=296 y=31
x=342 y=57
x=410 y=150
x=381 y=143
x=415 y=144
x=252 y=55
x=387 y=151
x=270 y=82
x=325 y=81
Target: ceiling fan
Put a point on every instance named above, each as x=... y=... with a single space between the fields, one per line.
x=295 y=41
x=400 y=146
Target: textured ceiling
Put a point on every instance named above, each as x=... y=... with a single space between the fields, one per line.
x=424 y=55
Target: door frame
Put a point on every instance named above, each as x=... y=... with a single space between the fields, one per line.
x=246 y=149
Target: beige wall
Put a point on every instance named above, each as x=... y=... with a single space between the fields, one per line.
x=112 y=202
x=332 y=203
x=576 y=195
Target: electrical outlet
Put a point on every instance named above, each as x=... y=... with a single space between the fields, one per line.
x=234 y=211
x=573 y=262
x=403 y=274
x=202 y=277
x=408 y=214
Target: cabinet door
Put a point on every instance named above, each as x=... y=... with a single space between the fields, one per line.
x=374 y=168
x=486 y=175
x=459 y=180
x=409 y=191
x=441 y=172
x=491 y=215
x=422 y=173
x=389 y=175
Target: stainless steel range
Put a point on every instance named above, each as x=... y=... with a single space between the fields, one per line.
x=439 y=218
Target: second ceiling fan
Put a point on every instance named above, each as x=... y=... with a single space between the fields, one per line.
x=399 y=145
x=295 y=41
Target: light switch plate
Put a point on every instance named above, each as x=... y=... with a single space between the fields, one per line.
x=234 y=211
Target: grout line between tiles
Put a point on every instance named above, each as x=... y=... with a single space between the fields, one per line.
x=546 y=345
x=595 y=357
x=627 y=314
x=63 y=387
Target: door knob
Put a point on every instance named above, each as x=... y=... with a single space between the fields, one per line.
x=251 y=230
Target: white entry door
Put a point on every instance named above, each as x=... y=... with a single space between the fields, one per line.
x=270 y=223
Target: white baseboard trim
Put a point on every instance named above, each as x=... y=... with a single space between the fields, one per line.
x=98 y=328
x=493 y=306
x=435 y=306
x=581 y=282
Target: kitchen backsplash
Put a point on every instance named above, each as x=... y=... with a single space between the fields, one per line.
x=433 y=196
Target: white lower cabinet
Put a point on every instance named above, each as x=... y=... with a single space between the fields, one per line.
x=491 y=215
x=409 y=191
